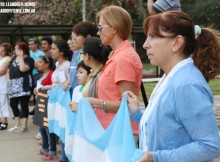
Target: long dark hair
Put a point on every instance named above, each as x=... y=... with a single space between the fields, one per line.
x=93 y=47
x=64 y=47
x=50 y=61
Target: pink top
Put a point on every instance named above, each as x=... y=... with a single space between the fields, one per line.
x=124 y=65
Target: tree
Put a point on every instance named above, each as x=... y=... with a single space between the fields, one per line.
x=203 y=12
x=70 y=11
x=4 y=19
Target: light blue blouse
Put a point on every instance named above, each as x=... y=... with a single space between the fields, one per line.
x=182 y=127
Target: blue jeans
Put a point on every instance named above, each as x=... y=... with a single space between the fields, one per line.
x=48 y=141
x=63 y=154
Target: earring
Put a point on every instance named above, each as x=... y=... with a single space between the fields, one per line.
x=86 y=58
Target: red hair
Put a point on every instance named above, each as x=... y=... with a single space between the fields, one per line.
x=24 y=47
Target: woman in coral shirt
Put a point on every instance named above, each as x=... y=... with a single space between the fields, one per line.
x=123 y=70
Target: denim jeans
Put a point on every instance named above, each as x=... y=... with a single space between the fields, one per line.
x=48 y=141
x=63 y=154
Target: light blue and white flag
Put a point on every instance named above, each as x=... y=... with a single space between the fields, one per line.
x=70 y=124
x=84 y=137
x=92 y=143
x=57 y=104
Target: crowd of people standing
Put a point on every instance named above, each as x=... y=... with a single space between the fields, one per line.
x=101 y=64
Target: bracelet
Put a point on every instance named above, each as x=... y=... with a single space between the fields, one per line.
x=103 y=106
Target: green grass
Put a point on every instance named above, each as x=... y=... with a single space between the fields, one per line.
x=214 y=85
x=148 y=66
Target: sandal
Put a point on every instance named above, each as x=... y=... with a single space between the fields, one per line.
x=13 y=129
x=42 y=152
x=3 y=126
x=49 y=157
x=22 y=130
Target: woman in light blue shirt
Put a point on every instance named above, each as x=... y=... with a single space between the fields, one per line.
x=179 y=123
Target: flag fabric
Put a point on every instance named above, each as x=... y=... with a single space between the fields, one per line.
x=91 y=142
x=84 y=137
x=70 y=122
x=57 y=105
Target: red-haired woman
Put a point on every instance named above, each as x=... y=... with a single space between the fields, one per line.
x=20 y=85
x=179 y=122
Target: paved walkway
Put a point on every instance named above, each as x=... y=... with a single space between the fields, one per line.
x=23 y=147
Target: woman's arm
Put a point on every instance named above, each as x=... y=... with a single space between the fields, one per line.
x=7 y=75
x=194 y=111
x=4 y=69
x=105 y=105
x=22 y=66
x=150 y=7
x=66 y=84
x=112 y=106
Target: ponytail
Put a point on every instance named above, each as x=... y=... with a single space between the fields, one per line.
x=206 y=55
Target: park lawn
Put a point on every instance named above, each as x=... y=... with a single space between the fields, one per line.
x=214 y=85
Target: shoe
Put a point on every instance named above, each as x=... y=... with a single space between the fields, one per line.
x=38 y=136
x=49 y=157
x=3 y=126
x=14 y=129
x=63 y=161
x=22 y=130
x=42 y=152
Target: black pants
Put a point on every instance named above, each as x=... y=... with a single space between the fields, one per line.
x=24 y=101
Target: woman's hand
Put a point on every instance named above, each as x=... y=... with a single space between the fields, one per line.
x=95 y=103
x=35 y=91
x=20 y=53
x=147 y=157
x=132 y=102
x=65 y=85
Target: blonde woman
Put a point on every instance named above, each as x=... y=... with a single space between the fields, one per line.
x=123 y=71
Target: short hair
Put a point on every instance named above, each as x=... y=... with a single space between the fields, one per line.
x=35 y=40
x=49 y=40
x=118 y=18
x=24 y=47
x=8 y=48
x=85 y=28
x=81 y=64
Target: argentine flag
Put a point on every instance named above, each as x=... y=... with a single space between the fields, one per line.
x=70 y=124
x=57 y=104
x=92 y=143
x=84 y=137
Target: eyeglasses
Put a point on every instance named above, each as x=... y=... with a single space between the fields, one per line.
x=99 y=27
